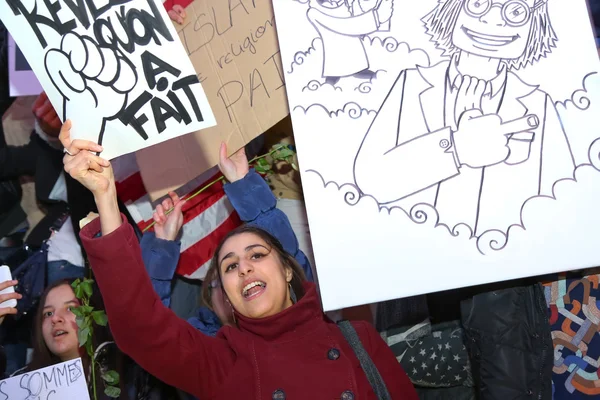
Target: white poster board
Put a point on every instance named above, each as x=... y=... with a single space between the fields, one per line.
x=21 y=79
x=419 y=178
x=117 y=69
x=57 y=382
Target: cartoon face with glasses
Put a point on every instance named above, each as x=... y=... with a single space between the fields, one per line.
x=495 y=29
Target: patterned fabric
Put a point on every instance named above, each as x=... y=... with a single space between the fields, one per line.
x=207 y=217
x=438 y=359
x=575 y=320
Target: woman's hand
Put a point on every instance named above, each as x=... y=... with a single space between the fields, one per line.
x=235 y=167
x=93 y=172
x=4 y=311
x=177 y=14
x=168 y=227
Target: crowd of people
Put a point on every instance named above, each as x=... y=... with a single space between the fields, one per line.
x=260 y=331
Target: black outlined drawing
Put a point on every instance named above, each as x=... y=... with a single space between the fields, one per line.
x=341 y=25
x=99 y=76
x=467 y=136
x=115 y=67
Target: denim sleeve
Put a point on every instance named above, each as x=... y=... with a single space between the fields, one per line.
x=160 y=259
x=255 y=204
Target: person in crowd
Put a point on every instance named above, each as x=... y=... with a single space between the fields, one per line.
x=4 y=311
x=55 y=330
x=280 y=343
x=260 y=210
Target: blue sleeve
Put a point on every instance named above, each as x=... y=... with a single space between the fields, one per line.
x=160 y=259
x=255 y=204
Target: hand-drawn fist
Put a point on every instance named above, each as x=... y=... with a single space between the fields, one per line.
x=482 y=140
x=385 y=10
x=91 y=78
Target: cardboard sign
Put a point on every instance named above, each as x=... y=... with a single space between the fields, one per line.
x=117 y=69
x=57 y=382
x=443 y=143
x=233 y=47
x=21 y=79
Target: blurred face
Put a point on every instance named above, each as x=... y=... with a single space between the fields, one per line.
x=59 y=327
x=496 y=29
x=255 y=281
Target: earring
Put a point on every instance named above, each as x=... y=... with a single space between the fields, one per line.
x=233 y=314
x=292 y=294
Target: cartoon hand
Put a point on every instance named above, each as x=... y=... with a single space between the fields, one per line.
x=470 y=93
x=177 y=14
x=482 y=140
x=91 y=78
x=384 y=11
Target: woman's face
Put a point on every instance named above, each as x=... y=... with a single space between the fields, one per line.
x=58 y=326
x=254 y=279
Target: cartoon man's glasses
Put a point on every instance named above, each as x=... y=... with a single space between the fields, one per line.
x=514 y=12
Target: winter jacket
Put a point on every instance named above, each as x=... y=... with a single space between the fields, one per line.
x=297 y=353
x=255 y=204
x=508 y=337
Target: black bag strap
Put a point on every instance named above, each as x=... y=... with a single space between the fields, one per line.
x=366 y=363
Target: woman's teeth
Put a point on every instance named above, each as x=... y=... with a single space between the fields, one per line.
x=248 y=287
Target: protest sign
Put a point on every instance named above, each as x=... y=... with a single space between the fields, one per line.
x=233 y=46
x=115 y=68
x=57 y=382
x=443 y=143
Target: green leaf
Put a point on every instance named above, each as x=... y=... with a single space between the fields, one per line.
x=112 y=391
x=75 y=283
x=82 y=335
x=87 y=310
x=81 y=323
x=78 y=311
x=111 y=377
x=263 y=163
x=87 y=288
x=283 y=153
x=89 y=348
x=79 y=292
x=260 y=169
x=100 y=317
x=90 y=281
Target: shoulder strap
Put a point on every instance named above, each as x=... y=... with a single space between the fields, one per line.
x=366 y=363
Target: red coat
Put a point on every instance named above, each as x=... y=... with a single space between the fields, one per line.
x=296 y=354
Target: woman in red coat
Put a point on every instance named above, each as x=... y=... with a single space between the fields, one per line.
x=281 y=345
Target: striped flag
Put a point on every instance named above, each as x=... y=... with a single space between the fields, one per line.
x=207 y=217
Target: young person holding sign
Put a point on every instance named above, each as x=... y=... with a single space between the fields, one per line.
x=280 y=346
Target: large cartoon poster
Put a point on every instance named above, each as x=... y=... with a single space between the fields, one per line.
x=443 y=143
x=116 y=68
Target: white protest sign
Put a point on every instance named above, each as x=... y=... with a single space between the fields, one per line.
x=57 y=382
x=443 y=143
x=116 y=68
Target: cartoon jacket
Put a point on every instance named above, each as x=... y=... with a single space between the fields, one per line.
x=410 y=142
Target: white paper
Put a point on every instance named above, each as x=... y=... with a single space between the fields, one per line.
x=89 y=57
x=57 y=382
x=21 y=79
x=418 y=178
